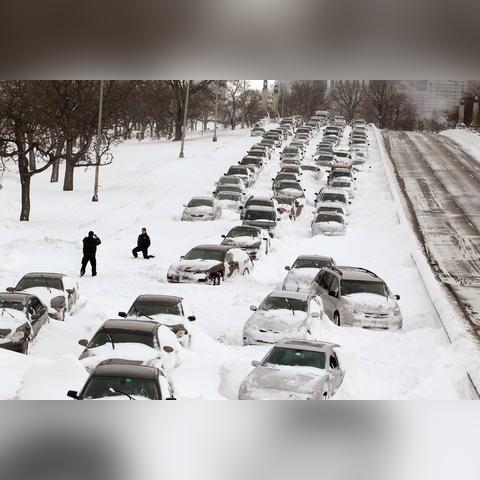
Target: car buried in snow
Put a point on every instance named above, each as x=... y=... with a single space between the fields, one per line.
x=22 y=315
x=210 y=264
x=242 y=172
x=229 y=200
x=328 y=223
x=58 y=291
x=263 y=217
x=295 y=370
x=201 y=209
x=142 y=340
x=357 y=297
x=168 y=310
x=284 y=314
x=304 y=269
x=287 y=188
x=252 y=240
x=118 y=379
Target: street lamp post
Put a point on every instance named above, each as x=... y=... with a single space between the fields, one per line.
x=184 y=129
x=214 y=139
x=99 y=144
x=243 y=106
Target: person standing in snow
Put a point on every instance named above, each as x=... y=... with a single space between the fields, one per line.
x=143 y=243
x=90 y=244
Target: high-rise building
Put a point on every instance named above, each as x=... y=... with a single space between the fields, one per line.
x=442 y=96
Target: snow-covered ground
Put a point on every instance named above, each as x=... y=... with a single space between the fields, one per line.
x=146 y=186
x=468 y=140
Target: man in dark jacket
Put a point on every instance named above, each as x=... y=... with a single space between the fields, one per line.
x=143 y=243
x=90 y=244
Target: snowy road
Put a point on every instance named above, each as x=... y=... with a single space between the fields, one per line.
x=442 y=183
x=146 y=186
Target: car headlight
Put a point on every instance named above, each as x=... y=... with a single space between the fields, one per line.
x=396 y=310
x=243 y=387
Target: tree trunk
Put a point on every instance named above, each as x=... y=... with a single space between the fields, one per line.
x=178 y=124
x=69 y=167
x=24 y=174
x=31 y=153
x=56 y=164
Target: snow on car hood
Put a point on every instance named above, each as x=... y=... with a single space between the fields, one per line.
x=11 y=319
x=244 y=242
x=163 y=318
x=300 y=279
x=202 y=209
x=286 y=378
x=370 y=302
x=291 y=192
x=277 y=319
x=44 y=294
x=194 y=265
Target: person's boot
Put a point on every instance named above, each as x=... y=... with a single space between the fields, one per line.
x=134 y=254
x=94 y=274
x=82 y=273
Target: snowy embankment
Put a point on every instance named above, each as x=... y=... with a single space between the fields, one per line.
x=465 y=347
x=467 y=140
x=147 y=185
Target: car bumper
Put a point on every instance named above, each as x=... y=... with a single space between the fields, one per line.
x=374 y=322
x=328 y=233
x=185 y=277
x=13 y=346
x=268 y=337
x=197 y=218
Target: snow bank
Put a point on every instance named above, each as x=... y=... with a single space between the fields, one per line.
x=468 y=141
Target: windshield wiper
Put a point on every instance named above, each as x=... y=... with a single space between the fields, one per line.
x=46 y=283
x=109 y=337
x=141 y=314
x=5 y=311
x=116 y=390
x=290 y=307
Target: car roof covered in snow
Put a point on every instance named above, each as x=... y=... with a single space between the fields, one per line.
x=261 y=208
x=289 y=294
x=307 y=345
x=202 y=197
x=117 y=367
x=159 y=299
x=19 y=297
x=135 y=325
x=357 y=273
x=314 y=257
x=212 y=246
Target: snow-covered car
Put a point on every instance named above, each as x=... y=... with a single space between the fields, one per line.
x=324 y=159
x=289 y=161
x=210 y=264
x=314 y=170
x=286 y=206
x=304 y=269
x=257 y=132
x=258 y=152
x=263 y=217
x=257 y=163
x=168 y=310
x=284 y=314
x=22 y=315
x=242 y=172
x=143 y=340
x=345 y=184
x=287 y=188
x=328 y=223
x=284 y=176
x=252 y=240
x=333 y=196
x=126 y=380
x=201 y=208
x=295 y=370
x=58 y=291
x=295 y=150
x=230 y=180
x=342 y=153
x=229 y=200
x=357 y=297
x=230 y=188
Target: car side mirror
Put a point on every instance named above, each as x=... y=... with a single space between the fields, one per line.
x=182 y=257
x=83 y=342
x=315 y=315
x=168 y=349
x=122 y=314
x=255 y=363
x=223 y=236
x=397 y=297
x=11 y=289
x=72 y=394
x=192 y=318
x=253 y=308
x=349 y=202
x=287 y=267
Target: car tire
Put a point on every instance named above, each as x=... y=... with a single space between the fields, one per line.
x=62 y=318
x=246 y=271
x=336 y=319
x=26 y=347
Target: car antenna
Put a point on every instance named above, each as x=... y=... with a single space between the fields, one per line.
x=116 y=390
x=5 y=311
x=109 y=337
x=46 y=283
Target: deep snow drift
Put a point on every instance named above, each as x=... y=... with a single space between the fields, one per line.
x=146 y=186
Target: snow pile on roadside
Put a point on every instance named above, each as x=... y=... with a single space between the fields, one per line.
x=469 y=141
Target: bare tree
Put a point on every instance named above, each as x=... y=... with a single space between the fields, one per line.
x=346 y=97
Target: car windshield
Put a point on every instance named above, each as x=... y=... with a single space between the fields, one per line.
x=283 y=303
x=294 y=185
x=12 y=304
x=155 y=308
x=251 y=161
x=341 y=173
x=341 y=154
x=104 y=336
x=350 y=287
x=326 y=208
x=200 y=202
x=311 y=263
x=260 y=215
x=40 y=281
x=229 y=196
x=242 y=232
x=333 y=197
x=257 y=153
x=229 y=179
x=259 y=203
x=328 y=217
x=98 y=386
x=229 y=188
x=341 y=184
x=237 y=171
x=295 y=358
x=205 y=254
x=286 y=176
